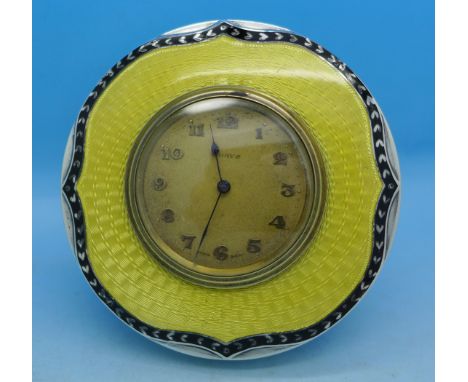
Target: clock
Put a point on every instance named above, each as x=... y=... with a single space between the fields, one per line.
x=230 y=189
x=224 y=187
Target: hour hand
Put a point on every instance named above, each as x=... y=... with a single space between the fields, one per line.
x=214 y=146
x=214 y=149
x=215 y=152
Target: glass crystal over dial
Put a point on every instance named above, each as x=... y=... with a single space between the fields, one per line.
x=224 y=188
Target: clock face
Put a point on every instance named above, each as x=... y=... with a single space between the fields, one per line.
x=224 y=188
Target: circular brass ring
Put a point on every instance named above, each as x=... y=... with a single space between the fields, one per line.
x=206 y=277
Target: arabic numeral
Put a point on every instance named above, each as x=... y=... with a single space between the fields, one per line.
x=221 y=253
x=188 y=241
x=259 y=133
x=280 y=158
x=159 y=184
x=228 y=122
x=254 y=246
x=196 y=130
x=278 y=222
x=168 y=153
x=168 y=216
x=288 y=190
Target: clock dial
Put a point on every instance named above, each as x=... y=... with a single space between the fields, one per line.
x=224 y=189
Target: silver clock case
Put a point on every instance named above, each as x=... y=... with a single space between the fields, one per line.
x=257 y=351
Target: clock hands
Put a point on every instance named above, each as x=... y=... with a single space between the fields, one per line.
x=207 y=225
x=223 y=187
x=215 y=152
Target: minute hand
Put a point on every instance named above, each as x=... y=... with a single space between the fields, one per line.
x=205 y=231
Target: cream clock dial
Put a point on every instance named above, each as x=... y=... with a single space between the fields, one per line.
x=224 y=188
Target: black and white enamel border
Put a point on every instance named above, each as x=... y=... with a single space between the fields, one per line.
x=212 y=346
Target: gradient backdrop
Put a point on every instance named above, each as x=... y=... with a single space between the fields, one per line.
x=388 y=337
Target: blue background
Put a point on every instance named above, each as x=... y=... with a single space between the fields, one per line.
x=389 y=336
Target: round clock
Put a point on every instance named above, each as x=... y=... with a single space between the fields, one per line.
x=224 y=187
x=230 y=189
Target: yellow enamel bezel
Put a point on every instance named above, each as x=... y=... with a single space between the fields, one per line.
x=335 y=259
